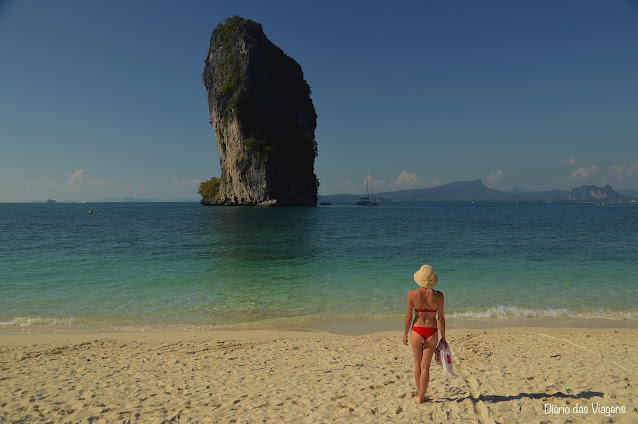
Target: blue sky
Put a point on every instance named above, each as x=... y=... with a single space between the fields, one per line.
x=105 y=100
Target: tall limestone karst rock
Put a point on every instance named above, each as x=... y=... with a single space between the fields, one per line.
x=263 y=117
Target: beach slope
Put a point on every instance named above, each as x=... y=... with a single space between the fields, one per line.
x=504 y=375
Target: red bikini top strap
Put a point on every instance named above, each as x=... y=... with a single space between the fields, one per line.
x=425 y=297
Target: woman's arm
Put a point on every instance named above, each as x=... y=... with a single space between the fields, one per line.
x=441 y=317
x=408 y=321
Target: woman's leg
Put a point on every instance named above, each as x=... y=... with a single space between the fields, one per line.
x=417 y=348
x=426 y=359
x=425 y=371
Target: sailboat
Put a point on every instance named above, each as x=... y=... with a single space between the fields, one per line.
x=365 y=201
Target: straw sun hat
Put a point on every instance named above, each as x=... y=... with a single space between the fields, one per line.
x=425 y=277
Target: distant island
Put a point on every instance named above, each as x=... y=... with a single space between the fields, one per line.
x=476 y=191
x=122 y=200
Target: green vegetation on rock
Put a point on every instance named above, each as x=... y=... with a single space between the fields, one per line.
x=209 y=190
x=230 y=88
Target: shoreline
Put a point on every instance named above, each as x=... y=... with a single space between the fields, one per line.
x=337 y=326
x=512 y=374
x=261 y=334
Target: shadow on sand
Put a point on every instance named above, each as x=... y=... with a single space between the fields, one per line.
x=499 y=398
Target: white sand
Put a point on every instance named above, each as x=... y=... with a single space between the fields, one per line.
x=509 y=375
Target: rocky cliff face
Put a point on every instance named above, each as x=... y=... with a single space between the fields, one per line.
x=263 y=117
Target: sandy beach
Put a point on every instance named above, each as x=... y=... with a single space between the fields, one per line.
x=506 y=375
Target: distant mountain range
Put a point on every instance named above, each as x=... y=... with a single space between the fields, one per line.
x=632 y=193
x=467 y=191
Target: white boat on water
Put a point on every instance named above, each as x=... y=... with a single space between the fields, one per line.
x=365 y=201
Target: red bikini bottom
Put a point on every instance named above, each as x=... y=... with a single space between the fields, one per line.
x=425 y=332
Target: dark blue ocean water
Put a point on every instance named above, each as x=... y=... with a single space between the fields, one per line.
x=163 y=264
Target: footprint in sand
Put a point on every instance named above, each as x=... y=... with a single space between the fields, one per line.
x=474 y=384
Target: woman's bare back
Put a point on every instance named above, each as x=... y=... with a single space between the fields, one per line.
x=425 y=300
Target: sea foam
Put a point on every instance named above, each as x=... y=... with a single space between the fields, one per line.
x=502 y=311
x=27 y=322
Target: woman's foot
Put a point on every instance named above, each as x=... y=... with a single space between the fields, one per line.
x=422 y=399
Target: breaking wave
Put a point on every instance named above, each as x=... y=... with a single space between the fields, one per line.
x=28 y=322
x=502 y=311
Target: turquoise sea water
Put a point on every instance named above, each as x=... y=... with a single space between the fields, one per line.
x=158 y=265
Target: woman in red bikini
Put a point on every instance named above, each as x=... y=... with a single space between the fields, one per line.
x=425 y=302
